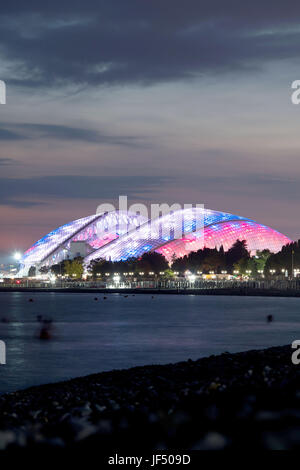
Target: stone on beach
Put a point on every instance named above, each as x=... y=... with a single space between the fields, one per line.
x=248 y=400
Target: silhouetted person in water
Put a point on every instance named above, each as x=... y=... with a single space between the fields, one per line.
x=45 y=331
x=269 y=318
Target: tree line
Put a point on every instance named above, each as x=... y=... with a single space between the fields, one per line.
x=236 y=260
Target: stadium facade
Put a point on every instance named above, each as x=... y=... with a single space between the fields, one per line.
x=118 y=235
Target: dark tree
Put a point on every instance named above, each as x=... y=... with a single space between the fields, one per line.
x=44 y=270
x=180 y=265
x=287 y=259
x=152 y=262
x=236 y=252
x=32 y=271
x=59 y=268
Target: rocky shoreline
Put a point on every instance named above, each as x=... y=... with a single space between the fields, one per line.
x=248 y=400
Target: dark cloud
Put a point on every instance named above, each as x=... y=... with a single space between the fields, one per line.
x=27 y=192
x=251 y=185
x=100 y=42
x=6 y=134
x=7 y=161
x=18 y=131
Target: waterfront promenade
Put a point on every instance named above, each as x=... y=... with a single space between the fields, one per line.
x=281 y=288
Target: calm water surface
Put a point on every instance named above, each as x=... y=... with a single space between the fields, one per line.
x=120 y=332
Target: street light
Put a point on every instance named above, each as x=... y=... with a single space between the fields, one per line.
x=17 y=256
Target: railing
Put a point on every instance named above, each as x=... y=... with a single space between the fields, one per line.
x=177 y=284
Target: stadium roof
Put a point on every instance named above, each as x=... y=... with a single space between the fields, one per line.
x=119 y=235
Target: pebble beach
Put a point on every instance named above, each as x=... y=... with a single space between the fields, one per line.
x=247 y=400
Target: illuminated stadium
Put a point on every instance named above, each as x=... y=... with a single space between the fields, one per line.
x=118 y=235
